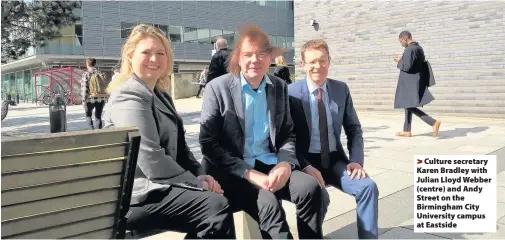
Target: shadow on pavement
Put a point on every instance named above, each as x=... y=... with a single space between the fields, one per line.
x=458 y=132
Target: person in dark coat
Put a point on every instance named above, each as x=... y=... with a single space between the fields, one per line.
x=218 y=64
x=412 y=89
x=282 y=70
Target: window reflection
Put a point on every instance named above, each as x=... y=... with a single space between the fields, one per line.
x=126 y=28
x=175 y=33
x=190 y=35
x=203 y=36
x=214 y=34
x=230 y=37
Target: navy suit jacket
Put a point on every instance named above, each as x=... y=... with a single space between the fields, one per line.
x=342 y=113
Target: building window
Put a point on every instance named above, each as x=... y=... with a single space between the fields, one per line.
x=271 y=3
x=78 y=33
x=190 y=35
x=291 y=42
x=203 y=36
x=163 y=28
x=126 y=28
x=281 y=41
x=291 y=5
x=281 y=4
x=175 y=33
x=229 y=36
x=214 y=34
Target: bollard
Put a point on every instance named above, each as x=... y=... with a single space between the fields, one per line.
x=57 y=115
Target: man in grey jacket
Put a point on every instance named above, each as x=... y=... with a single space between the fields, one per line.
x=247 y=140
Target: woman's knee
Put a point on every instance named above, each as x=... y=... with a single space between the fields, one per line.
x=218 y=203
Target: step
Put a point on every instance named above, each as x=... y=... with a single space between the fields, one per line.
x=482 y=112
x=436 y=94
x=449 y=103
x=434 y=90
x=460 y=83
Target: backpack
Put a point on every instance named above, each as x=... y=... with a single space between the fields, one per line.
x=97 y=85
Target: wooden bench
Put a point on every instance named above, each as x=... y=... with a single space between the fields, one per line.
x=245 y=228
x=68 y=185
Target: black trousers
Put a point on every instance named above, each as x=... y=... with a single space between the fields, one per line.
x=199 y=214
x=98 y=106
x=422 y=115
x=200 y=90
x=265 y=207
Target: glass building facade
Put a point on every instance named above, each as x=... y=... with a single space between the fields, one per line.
x=192 y=27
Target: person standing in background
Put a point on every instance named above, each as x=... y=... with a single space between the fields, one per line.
x=218 y=64
x=90 y=99
x=412 y=89
x=282 y=70
x=202 y=80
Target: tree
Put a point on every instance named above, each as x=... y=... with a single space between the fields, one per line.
x=31 y=24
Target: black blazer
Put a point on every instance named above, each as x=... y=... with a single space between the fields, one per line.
x=282 y=72
x=218 y=64
x=222 y=125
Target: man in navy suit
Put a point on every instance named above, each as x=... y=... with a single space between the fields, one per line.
x=319 y=108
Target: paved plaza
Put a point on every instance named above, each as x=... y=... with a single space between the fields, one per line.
x=388 y=160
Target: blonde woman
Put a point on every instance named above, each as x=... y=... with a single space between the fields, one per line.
x=282 y=70
x=171 y=190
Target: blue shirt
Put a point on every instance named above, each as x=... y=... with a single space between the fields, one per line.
x=257 y=124
x=315 y=137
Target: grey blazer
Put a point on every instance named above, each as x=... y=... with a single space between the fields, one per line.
x=343 y=115
x=164 y=156
x=222 y=126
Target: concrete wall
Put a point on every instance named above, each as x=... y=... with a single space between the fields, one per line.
x=463 y=40
x=183 y=85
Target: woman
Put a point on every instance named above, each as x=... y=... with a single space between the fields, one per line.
x=202 y=80
x=282 y=70
x=170 y=189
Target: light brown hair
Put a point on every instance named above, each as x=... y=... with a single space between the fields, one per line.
x=318 y=44
x=254 y=34
x=138 y=33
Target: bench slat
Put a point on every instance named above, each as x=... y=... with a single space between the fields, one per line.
x=62 y=174
x=57 y=218
x=55 y=204
x=56 y=158
x=29 y=194
x=64 y=140
x=70 y=229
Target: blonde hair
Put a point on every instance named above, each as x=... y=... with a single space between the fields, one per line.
x=280 y=61
x=253 y=33
x=138 y=33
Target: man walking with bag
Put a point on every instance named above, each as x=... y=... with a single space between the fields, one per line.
x=412 y=89
x=94 y=95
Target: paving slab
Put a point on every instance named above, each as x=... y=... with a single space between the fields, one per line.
x=499 y=234
x=392 y=181
x=500 y=179
x=403 y=233
x=391 y=213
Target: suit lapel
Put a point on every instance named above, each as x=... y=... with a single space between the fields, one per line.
x=166 y=105
x=306 y=105
x=271 y=105
x=332 y=95
x=236 y=95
